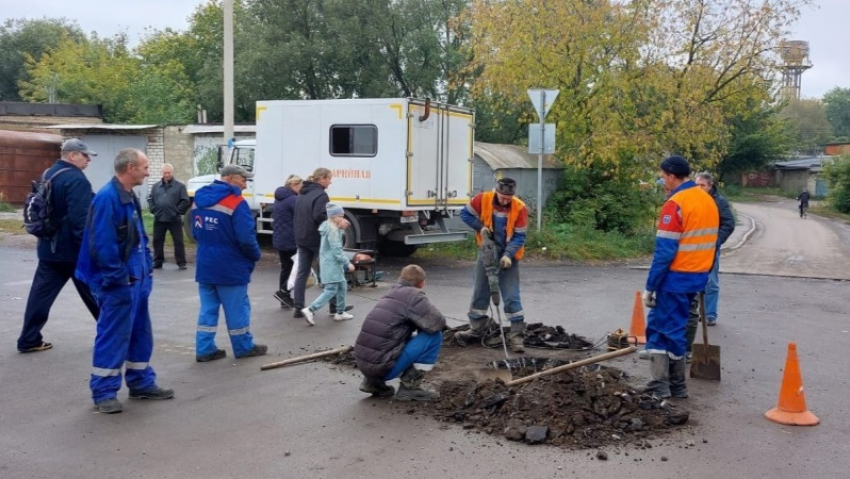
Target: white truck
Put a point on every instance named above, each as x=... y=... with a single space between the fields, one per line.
x=400 y=166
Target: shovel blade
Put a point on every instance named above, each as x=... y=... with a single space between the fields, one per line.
x=706 y=362
x=494 y=374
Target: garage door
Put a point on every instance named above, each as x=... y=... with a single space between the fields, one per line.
x=102 y=168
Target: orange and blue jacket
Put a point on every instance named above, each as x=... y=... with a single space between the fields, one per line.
x=685 y=242
x=508 y=223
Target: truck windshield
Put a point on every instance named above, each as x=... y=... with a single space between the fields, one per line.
x=244 y=157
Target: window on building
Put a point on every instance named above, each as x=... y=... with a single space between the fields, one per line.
x=354 y=140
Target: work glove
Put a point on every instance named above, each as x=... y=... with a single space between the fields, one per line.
x=649 y=298
x=485 y=231
x=505 y=262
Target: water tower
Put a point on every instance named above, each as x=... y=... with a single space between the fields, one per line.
x=795 y=58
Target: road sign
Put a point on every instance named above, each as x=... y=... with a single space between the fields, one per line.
x=542 y=105
x=547 y=137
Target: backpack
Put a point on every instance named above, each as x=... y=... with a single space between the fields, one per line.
x=38 y=207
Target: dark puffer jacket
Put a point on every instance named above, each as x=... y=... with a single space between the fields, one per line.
x=390 y=325
x=310 y=213
x=284 y=219
x=727 y=219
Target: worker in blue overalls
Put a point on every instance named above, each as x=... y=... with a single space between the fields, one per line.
x=116 y=263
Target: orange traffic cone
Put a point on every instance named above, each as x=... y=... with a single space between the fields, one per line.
x=638 y=327
x=791 y=407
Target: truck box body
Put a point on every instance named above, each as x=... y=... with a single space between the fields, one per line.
x=399 y=165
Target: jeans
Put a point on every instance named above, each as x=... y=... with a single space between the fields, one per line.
x=237 y=315
x=306 y=255
x=332 y=291
x=176 y=229
x=712 y=289
x=49 y=279
x=508 y=285
x=421 y=352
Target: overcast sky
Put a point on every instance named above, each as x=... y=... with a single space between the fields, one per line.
x=823 y=27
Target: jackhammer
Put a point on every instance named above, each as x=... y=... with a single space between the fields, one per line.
x=490 y=258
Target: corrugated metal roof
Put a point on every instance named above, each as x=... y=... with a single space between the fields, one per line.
x=500 y=156
x=802 y=163
x=101 y=126
x=199 y=129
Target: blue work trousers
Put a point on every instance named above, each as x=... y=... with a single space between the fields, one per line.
x=237 y=314
x=508 y=285
x=333 y=292
x=420 y=352
x=667 y=322
x=712 y=289
x=124 y=338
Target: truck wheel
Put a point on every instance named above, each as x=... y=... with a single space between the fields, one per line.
x=396 y=248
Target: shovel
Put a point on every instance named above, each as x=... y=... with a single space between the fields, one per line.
x=706 y=360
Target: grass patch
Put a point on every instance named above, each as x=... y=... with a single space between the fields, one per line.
x=6 y=207
x=558 y=242
x=15 y=227
x=749 y=195
x=822 y=209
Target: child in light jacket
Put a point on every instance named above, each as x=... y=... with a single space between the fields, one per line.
x=332 y=267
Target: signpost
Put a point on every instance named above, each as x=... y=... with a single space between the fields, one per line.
x=541 y=138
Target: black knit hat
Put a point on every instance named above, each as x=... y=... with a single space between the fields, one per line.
x=676 y=165
x=506 y=186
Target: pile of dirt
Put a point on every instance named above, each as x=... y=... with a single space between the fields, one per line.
x=537 y=335
x=585 y=408
x=589 y=407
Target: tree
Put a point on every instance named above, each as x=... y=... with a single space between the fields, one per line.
x=837 y=175
x=756 y=140
x=837 y=104
x=808 y=124
x=34 y=37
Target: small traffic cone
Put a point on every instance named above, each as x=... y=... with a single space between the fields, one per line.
x=791 y=407
x=638 y=327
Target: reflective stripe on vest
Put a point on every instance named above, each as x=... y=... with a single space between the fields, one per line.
x=700 y=220
x=487 y=218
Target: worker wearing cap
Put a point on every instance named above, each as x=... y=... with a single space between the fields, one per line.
x=685 y=243
x=501 y=215
x=223 y=226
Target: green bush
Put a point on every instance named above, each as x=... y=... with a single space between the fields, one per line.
x=594 y=198
x=837 y=175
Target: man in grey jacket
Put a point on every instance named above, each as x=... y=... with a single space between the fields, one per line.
x=168 y=202
x=386 y=347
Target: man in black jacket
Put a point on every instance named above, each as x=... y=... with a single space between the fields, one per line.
x=71 y=197
x=386 y=347
x=168 y=201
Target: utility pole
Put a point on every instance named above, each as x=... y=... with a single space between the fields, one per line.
x=541 y=142
x=228 y=71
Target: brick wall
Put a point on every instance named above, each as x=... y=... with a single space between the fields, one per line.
x=179 y=151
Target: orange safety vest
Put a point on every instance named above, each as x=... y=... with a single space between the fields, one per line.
x=487 y=217
x=698 y=240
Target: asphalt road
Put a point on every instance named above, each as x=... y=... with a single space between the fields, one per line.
x=231 y=420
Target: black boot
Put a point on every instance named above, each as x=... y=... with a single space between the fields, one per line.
x=678 y=385
x=517 y=336
x=659 y=367
x=412 y=389
x=376 y=387
x=477 y=328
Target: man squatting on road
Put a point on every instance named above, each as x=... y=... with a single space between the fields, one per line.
x=685 y=244
x=503 y=216
x=116 y=263
x=386 y=346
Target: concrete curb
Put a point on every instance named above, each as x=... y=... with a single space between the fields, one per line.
x=745 y=237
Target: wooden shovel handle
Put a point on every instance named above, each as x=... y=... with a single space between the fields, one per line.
x=308 y=357
x=566 y=367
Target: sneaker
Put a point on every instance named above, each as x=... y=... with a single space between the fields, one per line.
x=257 y=350
x=689 y=356
x=217 y=354
x=44 y=346
x=109 y=406
x=343 y=316
x=711 y=321
x=155 y=392
x=348 y=308
x=308 y=315
x=297 y=313
x=181 y=267
x=284 y=298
